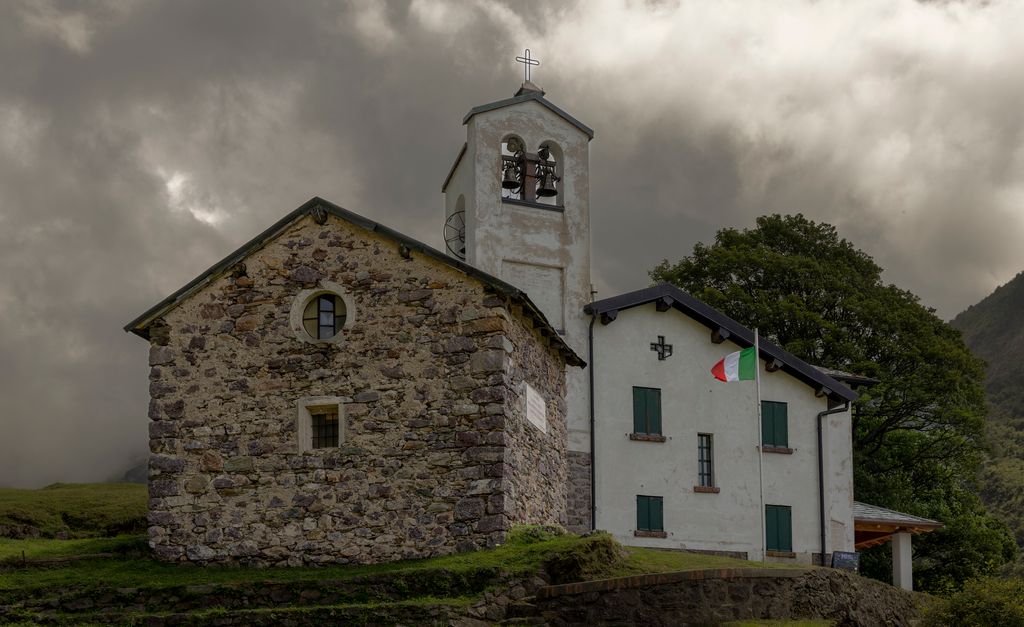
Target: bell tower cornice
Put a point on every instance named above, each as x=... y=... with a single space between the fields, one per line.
x=528 y=92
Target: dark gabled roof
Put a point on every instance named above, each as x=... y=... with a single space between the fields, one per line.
x=670 y=295
x=448 y=179
x=140 y=324
x=528 y=92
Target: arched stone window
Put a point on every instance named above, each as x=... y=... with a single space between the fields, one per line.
x=549 y=163
x=511 y=170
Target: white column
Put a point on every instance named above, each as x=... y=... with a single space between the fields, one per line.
x=902 y=565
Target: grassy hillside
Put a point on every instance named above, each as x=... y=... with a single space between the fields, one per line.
x=73 y=510
x=125 y=582
x=994 y=330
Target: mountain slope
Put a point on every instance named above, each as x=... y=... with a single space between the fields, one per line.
x=994 y=330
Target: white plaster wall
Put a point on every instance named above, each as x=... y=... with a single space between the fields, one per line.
x=498 y=233
x=839 y=477
x=694 y=402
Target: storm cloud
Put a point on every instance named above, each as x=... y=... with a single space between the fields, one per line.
x=140 y=142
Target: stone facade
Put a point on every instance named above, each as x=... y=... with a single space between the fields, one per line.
x=436 y=454
x=579 y=504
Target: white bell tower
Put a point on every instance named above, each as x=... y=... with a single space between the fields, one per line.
x=517 y=205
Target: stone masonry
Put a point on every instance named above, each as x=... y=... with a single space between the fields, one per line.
x=436 y=454
x=579 y=505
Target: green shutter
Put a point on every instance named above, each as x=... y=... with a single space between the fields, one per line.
x=774 y=424
x=767 y=422
x=639 y=410
x=654 y=411
x=785 y=529
x=643 y=514
x=657 y=514
x=778 y=521
x=781 y=425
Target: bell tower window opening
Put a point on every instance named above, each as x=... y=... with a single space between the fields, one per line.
x=512 y=169
x=548 y=174
x=529 y=176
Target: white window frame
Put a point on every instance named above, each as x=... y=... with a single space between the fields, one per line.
x=304 y=426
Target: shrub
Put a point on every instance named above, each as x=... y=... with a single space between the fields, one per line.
x=530 y=534
x=981 y=603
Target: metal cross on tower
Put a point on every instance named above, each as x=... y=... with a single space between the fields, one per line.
x=527 y=62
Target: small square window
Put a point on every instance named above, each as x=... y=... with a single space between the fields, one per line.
x=325 y=429
x=321 y=423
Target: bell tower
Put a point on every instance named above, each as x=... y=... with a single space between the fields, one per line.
x=517 y=205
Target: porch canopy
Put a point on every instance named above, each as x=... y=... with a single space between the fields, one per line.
x=873 y=525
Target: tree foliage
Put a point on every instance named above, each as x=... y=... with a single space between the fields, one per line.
x=994 y=331
x=918 y=433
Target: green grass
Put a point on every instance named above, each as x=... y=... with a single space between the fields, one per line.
x=48 y=549
x=132 y=568
x=80 y=510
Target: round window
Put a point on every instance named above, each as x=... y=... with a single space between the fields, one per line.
x=324 y=316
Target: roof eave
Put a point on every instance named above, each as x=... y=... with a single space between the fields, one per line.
x=524 y=97
x=139 y=325
x=739 y=334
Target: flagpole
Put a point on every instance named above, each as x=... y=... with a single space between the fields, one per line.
x=760 y=452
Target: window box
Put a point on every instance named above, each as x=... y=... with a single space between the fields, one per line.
x=777 y=449
x=707 y=489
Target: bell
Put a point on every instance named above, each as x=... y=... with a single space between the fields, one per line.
x=547 y=187
x=510 y=180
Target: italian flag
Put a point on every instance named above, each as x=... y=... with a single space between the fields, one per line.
x=738 y=366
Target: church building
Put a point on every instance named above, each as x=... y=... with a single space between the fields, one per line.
x=335 y=391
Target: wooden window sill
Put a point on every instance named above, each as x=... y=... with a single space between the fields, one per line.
x=707 y=489
x=789 y=554
x=650 y=534
x=776 y=449
x=647 y=437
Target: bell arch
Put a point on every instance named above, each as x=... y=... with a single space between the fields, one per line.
x=511 y=169
x=552 y=163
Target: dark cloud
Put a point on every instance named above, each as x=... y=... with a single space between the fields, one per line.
x=142 y=141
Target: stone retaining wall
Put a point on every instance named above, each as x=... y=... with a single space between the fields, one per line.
x=715 y=596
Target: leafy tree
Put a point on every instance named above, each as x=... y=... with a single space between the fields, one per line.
x=918 y=433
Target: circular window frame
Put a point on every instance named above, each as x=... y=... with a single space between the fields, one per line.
x=303 y=298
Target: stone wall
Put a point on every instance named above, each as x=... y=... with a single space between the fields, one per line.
x=434 y=457
x=711 y=597
x=538 y=472
x=580 y=510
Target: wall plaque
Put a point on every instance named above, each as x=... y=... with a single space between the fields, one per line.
x=536 y=408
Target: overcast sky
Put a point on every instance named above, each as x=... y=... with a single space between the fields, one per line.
x=142 y=141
